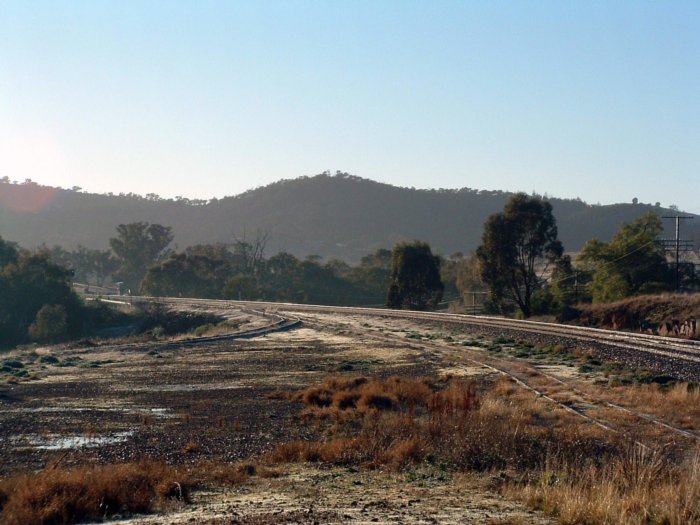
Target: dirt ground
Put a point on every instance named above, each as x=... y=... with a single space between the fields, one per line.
x=348 y=495
x=185 y=403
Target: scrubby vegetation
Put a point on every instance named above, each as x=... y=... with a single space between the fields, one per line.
x=36 y=293
x=645 y=313
x=549 y=459
x=61 y=496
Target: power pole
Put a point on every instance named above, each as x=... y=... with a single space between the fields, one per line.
x=678 y=245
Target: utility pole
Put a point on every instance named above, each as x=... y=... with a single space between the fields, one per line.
x=473 y=307
x=678 y=245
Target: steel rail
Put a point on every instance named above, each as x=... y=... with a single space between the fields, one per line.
x=660 y=346
x=664 y=347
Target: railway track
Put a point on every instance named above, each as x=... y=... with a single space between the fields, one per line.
x=275 y=323
x=678 y=358
x=576 y=401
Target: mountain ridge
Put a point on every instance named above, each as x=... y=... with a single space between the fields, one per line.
x=334 y=216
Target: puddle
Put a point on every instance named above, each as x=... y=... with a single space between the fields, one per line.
x=187 y=387
x=56 y=442
x=159 y=412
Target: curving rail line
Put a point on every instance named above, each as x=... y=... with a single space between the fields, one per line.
x=680 y=358
x=677 y=357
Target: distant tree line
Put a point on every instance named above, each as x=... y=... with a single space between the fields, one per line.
x=520 y=267
x=241 y=271
x=143 y=262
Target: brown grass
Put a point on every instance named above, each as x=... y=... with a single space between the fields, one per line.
x=555 y=462
x=218 y=474
x=64 y=496
x=346 y=397
x=631 y=313
x=677 y=403
x=57 y=496
x=395 y=422
x=637 y=487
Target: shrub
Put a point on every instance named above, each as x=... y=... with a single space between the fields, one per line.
x=50 y=325
x=59 y=497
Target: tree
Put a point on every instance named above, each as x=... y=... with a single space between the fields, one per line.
x=468 y=275
x=372 y=276
x=50 y=324
x=281 y=279
x=102 y=265
x=518 y=245
x=28 y=282
x=8 y=252
x=631 y=263
x=200 y=271
x=242 y=287
x=89 y=266
x=415 y=277
x=250 y=256
x=137 y=246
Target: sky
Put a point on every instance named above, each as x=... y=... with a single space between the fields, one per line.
x=592 y=99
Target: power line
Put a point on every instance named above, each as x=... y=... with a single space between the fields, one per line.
x=604 y=264
x=678 y=245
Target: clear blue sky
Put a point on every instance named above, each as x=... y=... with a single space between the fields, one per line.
x=599 y=100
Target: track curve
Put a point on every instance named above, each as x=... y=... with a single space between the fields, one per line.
x=675 y=357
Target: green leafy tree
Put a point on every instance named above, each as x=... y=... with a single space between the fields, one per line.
x=281 y=278
x=449 y=268
x=8 y=252
x=101 y=264
x=321 y=285
x=518 y=246
x=631 y=263
x=372 y=276
x=27 y=283
x=415 y=277
x=89 y=266
x=50 y=325
x=138 y=246
x=242 y=287
x=199 y=271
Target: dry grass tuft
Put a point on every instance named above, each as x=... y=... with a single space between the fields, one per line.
x=395 y=422
x=555 y=462
x=64 y=496
x=636 y=487
x=70 y=496
x=343 y=397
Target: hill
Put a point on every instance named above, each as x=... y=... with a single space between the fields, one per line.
x=340 y=216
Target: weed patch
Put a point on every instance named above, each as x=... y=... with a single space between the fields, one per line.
x=70 y=496
x=555 y=463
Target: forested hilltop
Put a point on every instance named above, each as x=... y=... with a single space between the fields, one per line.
x=334 y=216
